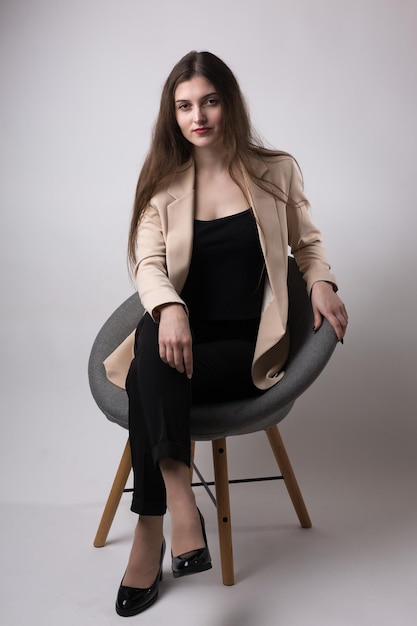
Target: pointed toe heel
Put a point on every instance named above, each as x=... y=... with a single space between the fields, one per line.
x=194 y=562
x=131 y=601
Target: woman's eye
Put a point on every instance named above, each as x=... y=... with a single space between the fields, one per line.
x=212 y=101
x=183 y=107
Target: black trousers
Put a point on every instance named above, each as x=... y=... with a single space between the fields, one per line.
x=160 y=397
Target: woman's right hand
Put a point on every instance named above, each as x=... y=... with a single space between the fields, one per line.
x=175 y=342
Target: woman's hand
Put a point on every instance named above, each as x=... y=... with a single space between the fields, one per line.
x=175 y=342
x=326 y=303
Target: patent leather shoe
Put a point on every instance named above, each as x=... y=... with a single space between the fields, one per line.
x=195 y=561
x=131 y=601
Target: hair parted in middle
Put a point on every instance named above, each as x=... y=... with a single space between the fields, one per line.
x=170 y=150
x=236 y=123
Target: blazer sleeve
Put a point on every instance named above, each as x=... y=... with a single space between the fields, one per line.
x=304 y=238
x=150 y=273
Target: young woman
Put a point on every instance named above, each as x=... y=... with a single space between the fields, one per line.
x=213 y=218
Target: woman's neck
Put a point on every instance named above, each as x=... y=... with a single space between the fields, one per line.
x=211 y=161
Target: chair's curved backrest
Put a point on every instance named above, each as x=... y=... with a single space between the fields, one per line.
x=309 y=353
x=112 y=400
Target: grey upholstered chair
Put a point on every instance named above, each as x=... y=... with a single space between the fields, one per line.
x=309 y=353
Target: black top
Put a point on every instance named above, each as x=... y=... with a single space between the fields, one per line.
x=225 y=279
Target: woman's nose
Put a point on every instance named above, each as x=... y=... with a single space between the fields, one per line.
x=199 y=115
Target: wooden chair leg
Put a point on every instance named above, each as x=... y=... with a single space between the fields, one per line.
x=113 y=500
x=221 y=478
x=288 y=475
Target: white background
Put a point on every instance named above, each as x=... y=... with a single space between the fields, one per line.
x=334 y=83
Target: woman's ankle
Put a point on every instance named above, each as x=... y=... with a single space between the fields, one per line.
x=145 y=553
x=186 y=530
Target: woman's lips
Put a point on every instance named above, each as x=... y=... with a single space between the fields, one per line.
x=201 y=131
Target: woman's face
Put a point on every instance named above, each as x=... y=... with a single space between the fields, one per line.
x=198 y=112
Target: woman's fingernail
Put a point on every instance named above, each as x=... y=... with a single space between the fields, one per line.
x=341 y=341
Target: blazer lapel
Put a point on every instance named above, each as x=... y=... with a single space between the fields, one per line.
x=272 y=230
x=180 y=225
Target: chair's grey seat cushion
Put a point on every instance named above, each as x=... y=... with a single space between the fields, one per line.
x=309 y=353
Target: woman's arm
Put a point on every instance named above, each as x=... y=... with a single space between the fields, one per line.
x=306 y=244
x=151 y=278
x=160 y=298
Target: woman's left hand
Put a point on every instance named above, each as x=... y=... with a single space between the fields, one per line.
x=326 y=303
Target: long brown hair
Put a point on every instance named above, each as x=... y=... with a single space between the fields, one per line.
x=170 y=150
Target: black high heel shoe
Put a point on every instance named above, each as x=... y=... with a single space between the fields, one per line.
x=195 y=561
x=131 y=601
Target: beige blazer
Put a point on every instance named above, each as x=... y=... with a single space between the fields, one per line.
x=164 y=247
